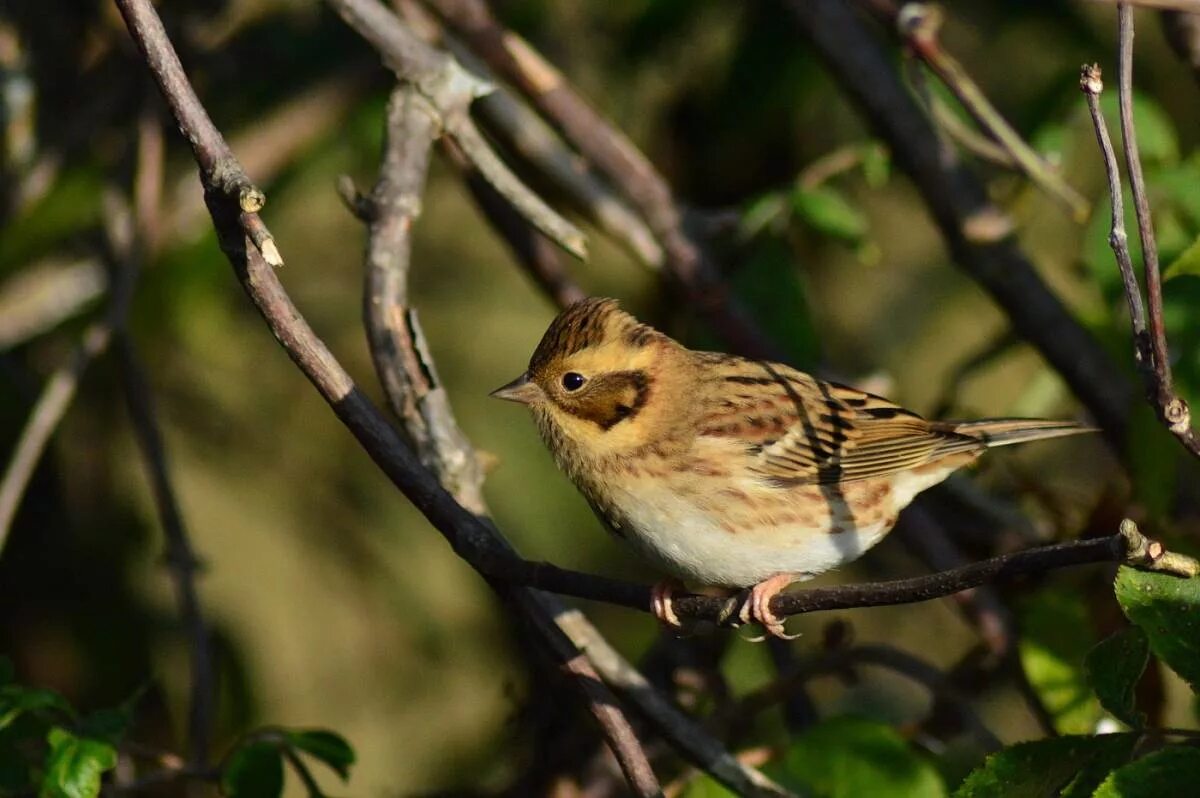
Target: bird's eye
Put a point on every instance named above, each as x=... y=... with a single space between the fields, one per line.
x=572 y=381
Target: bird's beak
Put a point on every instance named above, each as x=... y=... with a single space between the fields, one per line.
x=522 y=389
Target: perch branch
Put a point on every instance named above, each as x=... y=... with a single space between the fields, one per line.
x=1149 y=331
x=472 y=539
x=405 y=368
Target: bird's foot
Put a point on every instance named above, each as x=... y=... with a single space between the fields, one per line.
x=757 y=607
x=660 y=603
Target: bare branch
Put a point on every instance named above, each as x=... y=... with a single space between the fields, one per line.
x=63 y=384
x=532 y=249
x=1149 y=329
x=180 y=557
x=450 y=90
x=616 y=157
x=918 y=25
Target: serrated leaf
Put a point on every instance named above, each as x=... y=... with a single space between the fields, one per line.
x=254 y=771
x=1167 y=608
x=329 y=747
x=1113 y=669
x=1055 y=637
x=828 y=212
x=75 y=765
x=1188 y=262
x=16 y=699
x=848 y=757
x=1046 y=767
x=1175 y=770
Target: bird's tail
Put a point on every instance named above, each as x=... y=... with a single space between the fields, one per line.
x=1005 y=431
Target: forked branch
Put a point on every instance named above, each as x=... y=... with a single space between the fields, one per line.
x=1149 y=330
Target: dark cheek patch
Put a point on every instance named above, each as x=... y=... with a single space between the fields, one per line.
x=612 y=398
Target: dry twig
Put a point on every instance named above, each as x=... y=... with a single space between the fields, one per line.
x=1149 y=329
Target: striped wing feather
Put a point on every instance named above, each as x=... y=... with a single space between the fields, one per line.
x=805 y=431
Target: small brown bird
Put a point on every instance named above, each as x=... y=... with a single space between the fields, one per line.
x=733 y=472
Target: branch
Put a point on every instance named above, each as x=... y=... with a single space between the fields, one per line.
x=531 y=249
x=405 y=368
x=1149 y=330
x=180 y=557
x=473 y=540
x=526 y=135
x=63 y=384
x=918 y=25
x=961 y=208
x=451 y=90
x=837 y=660
x=618 y=159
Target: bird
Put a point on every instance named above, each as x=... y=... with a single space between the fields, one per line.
x=728 y=472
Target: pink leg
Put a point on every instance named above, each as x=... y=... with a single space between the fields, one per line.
x=660 y=603
x=757 y=608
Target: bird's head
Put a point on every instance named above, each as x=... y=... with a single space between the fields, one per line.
x=599 y=378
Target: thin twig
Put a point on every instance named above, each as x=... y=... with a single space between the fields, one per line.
x=1091 y=83
x=531 y=249
x=918 y=24
x=451 y=90
x=516 y=125
x=884 y=656
x=63 y=384
x=1149 y=329
x=180 y=557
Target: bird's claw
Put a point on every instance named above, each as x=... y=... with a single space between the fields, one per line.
x=661 y=604
x=757 y=607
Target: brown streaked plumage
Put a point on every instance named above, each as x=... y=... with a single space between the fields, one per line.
x=729 y=471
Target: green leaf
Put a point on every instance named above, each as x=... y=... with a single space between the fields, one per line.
x=1175 y=770
x=1113 y=668
x=848 y=757
x=1055 y=637
x=876 y=164
x=1168 y=609
x=16 y=699
x=1188 y=262
x=329 y=747
x=254 y=771
x=828 y=212
x=764 y=212
x=1047 y=767
x=74 y=765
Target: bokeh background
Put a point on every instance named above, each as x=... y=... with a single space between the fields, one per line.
x=333 y=602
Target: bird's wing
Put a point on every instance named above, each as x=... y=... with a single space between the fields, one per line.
x=803 y=431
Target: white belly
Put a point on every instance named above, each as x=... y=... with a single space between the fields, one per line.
x=691 y=544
